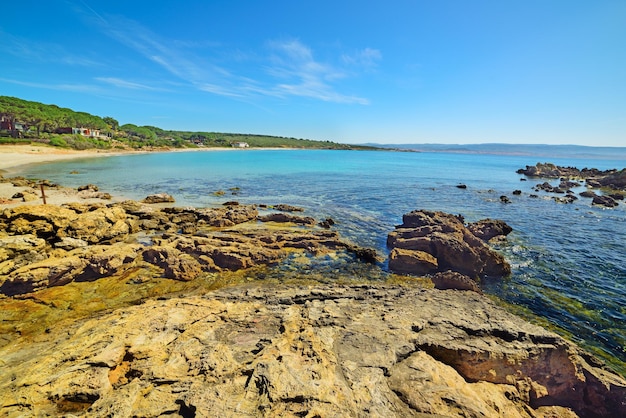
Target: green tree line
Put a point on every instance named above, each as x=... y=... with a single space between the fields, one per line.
x=46 y=123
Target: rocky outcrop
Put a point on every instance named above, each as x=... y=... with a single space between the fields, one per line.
x=307 y=351
x=429 y=242
x=594 y=178
x=49 y=245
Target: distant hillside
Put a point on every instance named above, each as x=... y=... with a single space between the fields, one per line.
x=537 y=150
x=23 y=120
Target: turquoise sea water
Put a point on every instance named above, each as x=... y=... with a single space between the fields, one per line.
x=569 y=260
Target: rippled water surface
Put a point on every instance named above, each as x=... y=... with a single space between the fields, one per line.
x=569 y=261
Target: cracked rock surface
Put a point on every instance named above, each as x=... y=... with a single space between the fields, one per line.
x=325 y=351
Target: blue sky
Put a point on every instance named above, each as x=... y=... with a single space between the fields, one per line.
x=445 y=71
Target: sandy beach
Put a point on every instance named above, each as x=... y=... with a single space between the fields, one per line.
x=14 y=156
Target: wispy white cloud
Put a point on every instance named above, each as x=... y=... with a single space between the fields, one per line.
x=367 y=58
x=117 y=82
x=81 y=88
x=290 y=65
x=42 y=52
x=302 y=75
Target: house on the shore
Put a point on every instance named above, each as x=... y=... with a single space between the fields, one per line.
x=239 y=145
x=17 y=129
x=88 y=132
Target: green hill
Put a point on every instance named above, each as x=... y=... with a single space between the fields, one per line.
x=23 y=120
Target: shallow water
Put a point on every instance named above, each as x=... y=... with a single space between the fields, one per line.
x=569 y=263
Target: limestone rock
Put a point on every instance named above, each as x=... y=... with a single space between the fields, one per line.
x=307 y=351
x=100 y=225
x=46 y=273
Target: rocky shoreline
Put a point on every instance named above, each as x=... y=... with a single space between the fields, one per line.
x=605 y=187
x=73 y=344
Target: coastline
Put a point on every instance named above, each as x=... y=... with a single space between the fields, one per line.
x=13 y=157
x=128 y=281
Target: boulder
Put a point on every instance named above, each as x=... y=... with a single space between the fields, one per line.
x=158 y=198
x=287 y=208
x=444 y=280
x=88 y=187
x=605 y=201
x=446 y=238
x=588 y=193
x=287 y=218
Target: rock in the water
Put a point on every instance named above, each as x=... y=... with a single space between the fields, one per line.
x=448 y=241
x=605 y=201
x=158 y=198
x=344 y=351
x=588 y=193
x=285 y=217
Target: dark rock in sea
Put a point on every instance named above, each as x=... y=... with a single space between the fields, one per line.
x=612 y=179
x=505 y=199
x=367 y=255
x=461 y=186
x=327 y=223
x=605 y=201
x=429 y=241
x=517 y=192
x=533 y=196
x=231 y=203
x=570 y=198
x=287 y=208
x=158 y=198
x=588 y=193
x=449 y=279
x=616 y=196
x=284 y=217
x=566 y=184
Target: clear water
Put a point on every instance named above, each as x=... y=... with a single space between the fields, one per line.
x=569 y=261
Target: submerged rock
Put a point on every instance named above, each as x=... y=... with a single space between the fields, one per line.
x=307 y=351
